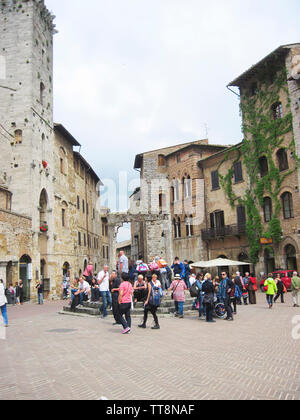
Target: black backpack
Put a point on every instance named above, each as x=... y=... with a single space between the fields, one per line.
x=195 y=290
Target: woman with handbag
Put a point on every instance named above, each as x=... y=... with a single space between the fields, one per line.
x=153 y=301
x=208 y=300
x=178 y=288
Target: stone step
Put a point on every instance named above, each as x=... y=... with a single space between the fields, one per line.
x=166 y=303
x=94 y=311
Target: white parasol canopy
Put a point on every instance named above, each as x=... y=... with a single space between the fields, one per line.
x=219 y=262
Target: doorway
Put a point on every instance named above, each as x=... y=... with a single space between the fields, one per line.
x=25 y=274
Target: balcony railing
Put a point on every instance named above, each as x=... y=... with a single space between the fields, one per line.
x=223 y=231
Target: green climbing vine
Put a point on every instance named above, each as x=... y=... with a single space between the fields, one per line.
x=262 y=135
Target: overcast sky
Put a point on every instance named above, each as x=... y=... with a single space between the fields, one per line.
x=136 y=75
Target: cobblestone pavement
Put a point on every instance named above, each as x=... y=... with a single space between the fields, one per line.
x=255 y=357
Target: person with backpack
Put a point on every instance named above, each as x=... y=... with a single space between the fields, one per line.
x=178 y=288
x=152 y=302
x=141 y=267
x=270 y=289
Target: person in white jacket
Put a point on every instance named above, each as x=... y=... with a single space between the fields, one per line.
x=3 y=303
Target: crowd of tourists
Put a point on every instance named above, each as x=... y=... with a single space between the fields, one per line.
x=120 y=290
x=128 y=284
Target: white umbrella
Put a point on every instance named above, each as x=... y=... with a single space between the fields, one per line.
x=219 y=262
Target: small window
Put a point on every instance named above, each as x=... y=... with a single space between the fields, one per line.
x=42 y=93
x=282 y=160
x=215 y=180
x=287 y=205
x=254 y=89
x=79 y=238
x=267 y=209
x=189 y=226
x=238 y=172
x=277 y=111
x=18 y=136
x=78 y=202
x=178 y=158
x=83 y=206
x=161 y=160
x=84 y=239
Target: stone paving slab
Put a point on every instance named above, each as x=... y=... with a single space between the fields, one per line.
x=255 y=357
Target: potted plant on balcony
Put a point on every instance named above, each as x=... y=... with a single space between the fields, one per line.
x=44 y=227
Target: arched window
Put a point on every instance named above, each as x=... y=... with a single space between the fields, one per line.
x=18 y=136
x=177 y=191
x=263 y=166
x=187 y=185
x=287 y=205
x=282 y=160
x=291 y=257
x=277 y=111
x=267 y=209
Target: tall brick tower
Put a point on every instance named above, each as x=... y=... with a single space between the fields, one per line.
x=26 y=114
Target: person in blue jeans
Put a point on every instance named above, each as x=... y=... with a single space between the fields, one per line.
x=103 y=281
x=3 y=303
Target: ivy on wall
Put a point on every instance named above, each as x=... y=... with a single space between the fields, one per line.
x=262 y=135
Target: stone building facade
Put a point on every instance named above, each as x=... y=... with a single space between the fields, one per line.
x=52 y=187
x=230 y=178
x=164 y=192
x=15 y=242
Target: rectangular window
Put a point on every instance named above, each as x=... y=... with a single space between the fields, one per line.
x=215 y=180
x=78 y=202
x=238 y=172
x=83 y=206
x=84 y=239
x=79 y=238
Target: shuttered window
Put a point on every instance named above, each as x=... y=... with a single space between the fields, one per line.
x=215 y=180
x=238 y=172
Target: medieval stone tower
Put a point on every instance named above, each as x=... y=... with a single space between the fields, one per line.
x=26 y=113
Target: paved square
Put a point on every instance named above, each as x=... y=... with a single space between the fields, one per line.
x=51 y=356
